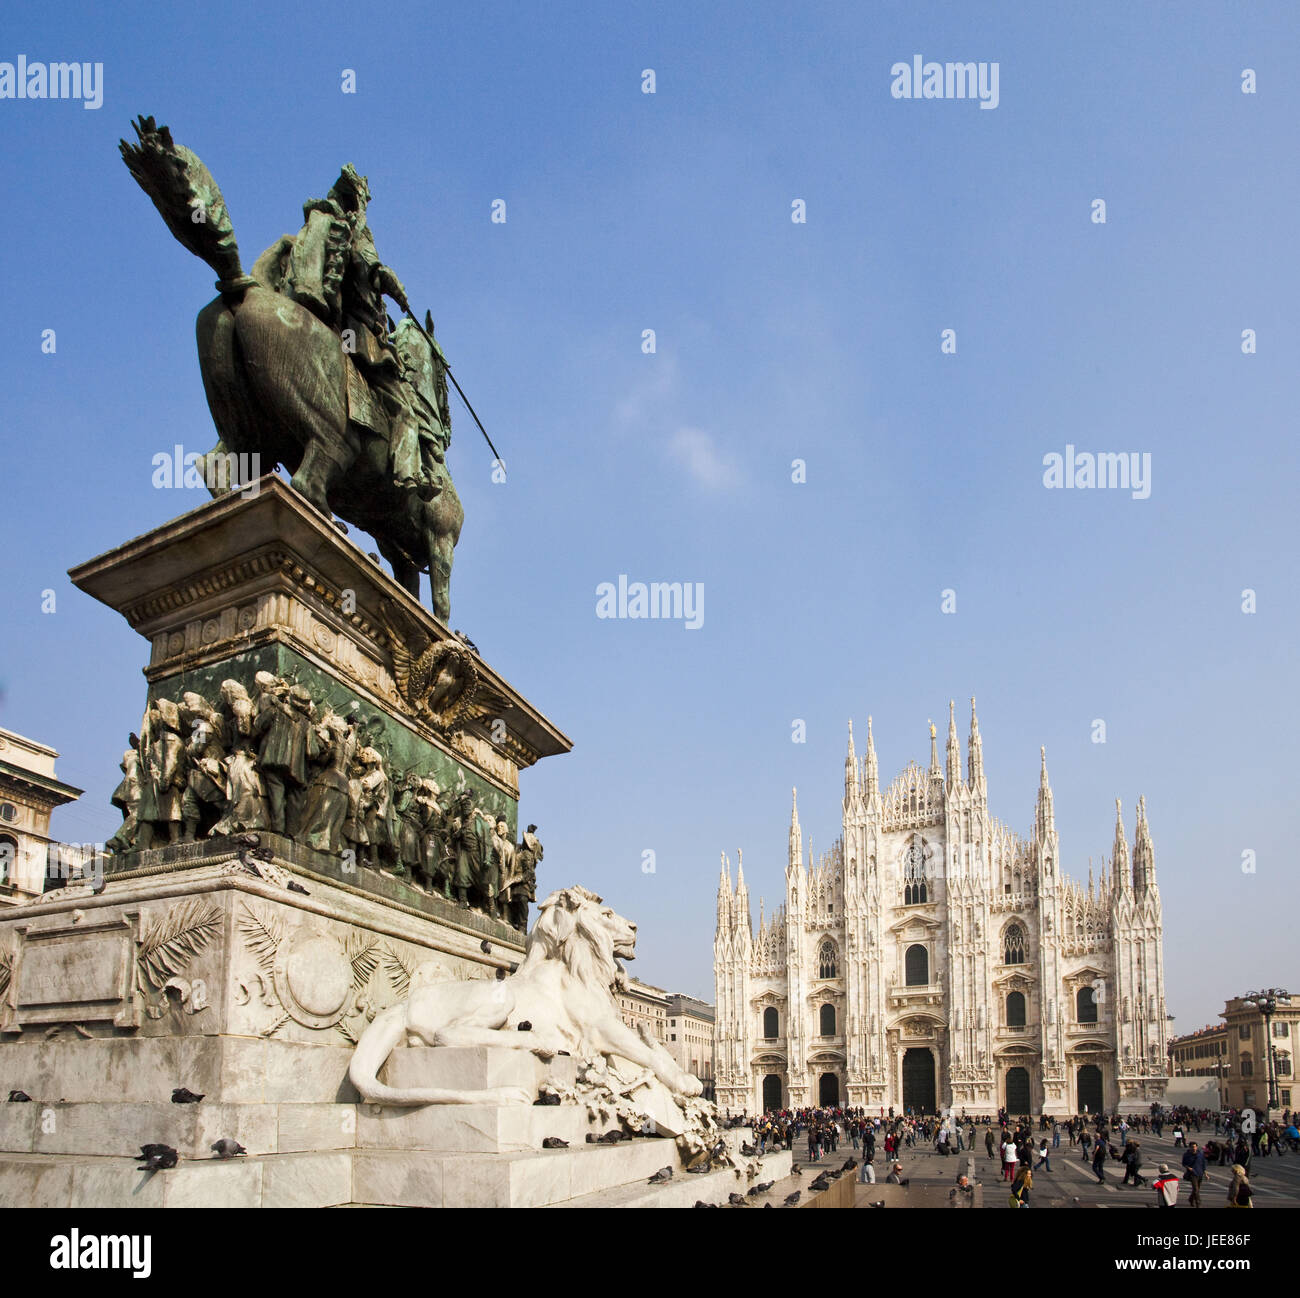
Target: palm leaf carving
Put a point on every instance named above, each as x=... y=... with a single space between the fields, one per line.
x=263 y=935
x=399 y=972
x=6 y=970
x=172 y=941
x=346 y=1033
x=276 y=1026
x=364 y=954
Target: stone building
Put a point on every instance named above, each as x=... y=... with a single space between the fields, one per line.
x=1235 y=1052
x=934 y=957
x=29 y=792
x=643 y=1005
x=690 y=1037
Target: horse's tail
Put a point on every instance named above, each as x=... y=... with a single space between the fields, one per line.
x=187 y=197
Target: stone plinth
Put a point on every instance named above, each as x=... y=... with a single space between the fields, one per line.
x=260 y=580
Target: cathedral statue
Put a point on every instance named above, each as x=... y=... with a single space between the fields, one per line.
x=302 y=365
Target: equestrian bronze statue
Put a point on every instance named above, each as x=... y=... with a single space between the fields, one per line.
x=303 y=367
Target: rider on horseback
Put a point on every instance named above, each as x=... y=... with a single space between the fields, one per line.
x=335 y=272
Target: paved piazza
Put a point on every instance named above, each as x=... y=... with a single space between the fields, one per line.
x=1276 y=1181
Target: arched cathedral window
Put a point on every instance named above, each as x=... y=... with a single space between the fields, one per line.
x=1014 y=943
x=771 y=1022
x=827 y=965
x=916 y=890
x=827 y=1020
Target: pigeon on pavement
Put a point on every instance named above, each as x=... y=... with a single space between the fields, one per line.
x=226 y=1148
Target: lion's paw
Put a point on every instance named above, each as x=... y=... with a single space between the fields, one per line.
x=691 y=1086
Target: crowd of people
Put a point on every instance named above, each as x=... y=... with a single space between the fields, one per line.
x=1020 y=1150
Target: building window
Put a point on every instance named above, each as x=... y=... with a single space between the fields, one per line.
x=8 y=857
x=8 y=812
x=1281 y=1030
x=1014 y=944
x=770 y=1024
x=1282 y=1061
x=915 y=885
x=1286 y=1097
x=1244 y=1032
x=1016 y=1010
x=1247 y=1066
x=1085 y=1004
x=827 y=1023
x=916 y=966
x=826 y=961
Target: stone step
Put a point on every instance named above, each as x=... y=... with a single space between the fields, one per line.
x=315 y=1180
x=415 y=1178
x=235 y=1070
x=118 y=1130
x=474 y=1128
x=684 y=1190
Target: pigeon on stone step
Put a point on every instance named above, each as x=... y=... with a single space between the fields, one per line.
x=879 y=1203
x=226 y=1148
x=181 y=1096
x=698 y=1168
x=157 y=1158
x=768 y=1204
x=749 y=1151
x=737 y=1201
x=792 y=1199
x=762 y=1189
x=662 y=1175
x=699 y=1203
x=547 y=1097
x=524 y=1025
x=796 y=1170
x=485 y=946
x=294 y=886
x=612 y=1137
x=819 y=1185
x=19 y=1097
x=849 y=1165
x=554 y=1142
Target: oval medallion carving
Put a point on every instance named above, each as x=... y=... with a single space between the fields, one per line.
x=314 y=979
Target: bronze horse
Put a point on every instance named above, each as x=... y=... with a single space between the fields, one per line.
x=280 y=384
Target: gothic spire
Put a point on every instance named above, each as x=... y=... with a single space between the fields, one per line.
x=1144 y=855
x=851 y=770
x=796 y=834
x=740 y=876
x=1046 y=814
x=935 y=772
x=975 y=751
x=1119 y=857
x=954 y=748
x=872 y=770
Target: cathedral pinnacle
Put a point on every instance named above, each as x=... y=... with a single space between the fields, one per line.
x=796 y=834
x=935 y=773
x=1046 y=818
x=954 y=748
x=872 y=770
x=850 y=770
x=975 y=751
x=1144 y=856
x=1119 y=856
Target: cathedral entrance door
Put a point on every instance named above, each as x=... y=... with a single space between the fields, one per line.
x=828 y=1091
x=1018 y=1102
x=1088 y=1080
x=771 y=1092
x=919 y=1091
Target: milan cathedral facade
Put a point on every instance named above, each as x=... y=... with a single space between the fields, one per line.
x=933 y=957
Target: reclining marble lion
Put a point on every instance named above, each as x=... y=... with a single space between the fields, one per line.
x=564 y=989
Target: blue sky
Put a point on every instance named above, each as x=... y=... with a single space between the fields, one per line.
x=775 y=341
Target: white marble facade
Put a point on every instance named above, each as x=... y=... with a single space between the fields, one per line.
x=934 y=957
